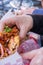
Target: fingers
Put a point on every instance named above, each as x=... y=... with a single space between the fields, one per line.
x=8 y=18
x=23 y=32
x=36 y=56
x=26 y=25
x=37 y=60
x=29 y=55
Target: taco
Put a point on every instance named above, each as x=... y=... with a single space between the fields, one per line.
x=9 y=41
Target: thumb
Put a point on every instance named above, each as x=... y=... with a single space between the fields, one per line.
x=29 y=55
x=23 y=32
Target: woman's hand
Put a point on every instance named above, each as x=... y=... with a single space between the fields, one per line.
x=23 y=22
x=36 y=56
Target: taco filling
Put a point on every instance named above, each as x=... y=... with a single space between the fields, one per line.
x=9 y=41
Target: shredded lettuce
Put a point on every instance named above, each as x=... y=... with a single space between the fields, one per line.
x=7 y=29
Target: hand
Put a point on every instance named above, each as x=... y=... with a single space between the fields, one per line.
x=36 y=56
x=23 y=22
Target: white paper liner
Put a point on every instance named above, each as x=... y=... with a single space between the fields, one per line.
x=14 y=59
